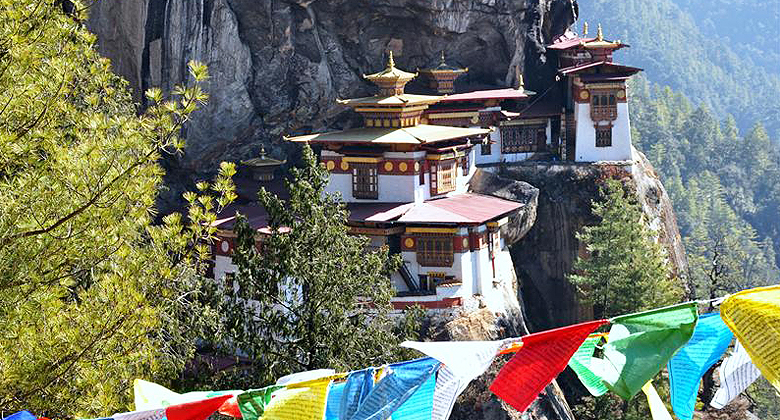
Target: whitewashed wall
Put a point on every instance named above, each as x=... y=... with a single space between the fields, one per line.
x=586 y=150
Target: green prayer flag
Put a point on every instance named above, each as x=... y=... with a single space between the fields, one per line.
x=640 y=345
x=252 y=403
x=583 y=364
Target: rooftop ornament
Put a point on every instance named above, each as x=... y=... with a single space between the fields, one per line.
x=263 y=167
x=391 y=81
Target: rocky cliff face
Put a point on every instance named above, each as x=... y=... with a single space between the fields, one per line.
x=545 y=255
x=277 y=66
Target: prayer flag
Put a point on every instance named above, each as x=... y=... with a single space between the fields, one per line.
x=420 y=405
x=543 y=356
x=583 y=364
x=710 y=340
x=305 y=376
x=21 y=415
x=754 y=317
x=333 y=403
x=299 y=401
x=463 y=362
x=149 y=395
x=195 y=410
x=359 y=385
x=252 y=403
x=736 y=373
x=401 y=382
x=658 y=410
x=641 y=344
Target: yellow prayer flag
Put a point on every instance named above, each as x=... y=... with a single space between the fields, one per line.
x=657 y=408
x=754 y=317
x=301 y=401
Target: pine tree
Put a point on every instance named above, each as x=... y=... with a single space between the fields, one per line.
x=92 y=294
x=624 y=269
x=313 y=296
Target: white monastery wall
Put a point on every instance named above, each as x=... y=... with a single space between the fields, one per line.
x=586 y=150
x=222 y=266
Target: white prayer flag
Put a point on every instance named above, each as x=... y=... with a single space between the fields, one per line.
x=736 y=373
x=463 y=362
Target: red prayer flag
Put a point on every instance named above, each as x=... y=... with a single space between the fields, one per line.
x=543 y=356
x=196 y=410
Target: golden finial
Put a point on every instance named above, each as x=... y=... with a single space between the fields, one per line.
x=585 y=28
x=442 y=57
x=522 y=83
x=390 y=61
x=600 y=34
x=262 y=152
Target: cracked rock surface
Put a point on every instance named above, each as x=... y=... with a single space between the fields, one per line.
x=277 y=66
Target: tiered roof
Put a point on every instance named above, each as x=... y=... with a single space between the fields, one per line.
x=392 y=116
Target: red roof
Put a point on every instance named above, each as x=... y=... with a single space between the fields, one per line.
x=607 y=64
x=483 y=95
x=564 y=43
x=376 y=212
x=462 y=208
x=466 y=208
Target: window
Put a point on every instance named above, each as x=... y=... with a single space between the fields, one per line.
x=365 y=181
x=465 y=163
x=435 y=251
x=445 y=177
x=603 y=106
x=230 y=281
x=422 y=173
x=486 y=148
x=523 y=138
x=604 y=136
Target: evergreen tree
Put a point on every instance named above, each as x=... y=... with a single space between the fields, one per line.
x=92 y=294
x=625 y=269
x=313 y=296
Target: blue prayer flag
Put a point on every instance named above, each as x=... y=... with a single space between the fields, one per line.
x=401 y=382
x=420 y=405
x=333 y=406
x=710 y=340
x=359 y=384
x=21 y=415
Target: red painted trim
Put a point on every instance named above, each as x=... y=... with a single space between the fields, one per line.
x=435 y=304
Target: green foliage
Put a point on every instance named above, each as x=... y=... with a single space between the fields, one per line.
x=671 y=41
x=92 y=294
x=725 y=188
x=625 y=269
x=317 y=297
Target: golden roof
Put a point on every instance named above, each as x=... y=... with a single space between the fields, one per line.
x=390 y=73
x=263 y=160
x=443 y=67
x=416 y=135
x=405 y=99
x=600 y=42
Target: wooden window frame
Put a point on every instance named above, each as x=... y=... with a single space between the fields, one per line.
x=465 y=163
x=446 y=176
x=422 y=173
x=603 y=136
x=435 y=251
x=365 y=181
x=523 y=138
x=485 y=149
x=603 y=105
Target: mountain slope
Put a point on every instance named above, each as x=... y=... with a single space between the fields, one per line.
x=669 y=43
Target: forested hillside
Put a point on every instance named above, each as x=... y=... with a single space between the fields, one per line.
x=723 y=54
x=725 y=185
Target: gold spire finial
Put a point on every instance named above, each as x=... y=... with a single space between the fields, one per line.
x=390 y=61
x=262 y=152
x=442 y=57
x=585 y=28
x=600 y=34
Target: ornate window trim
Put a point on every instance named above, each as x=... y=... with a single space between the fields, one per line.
x=365 y=180
x=435 y=251
x=526 y=138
